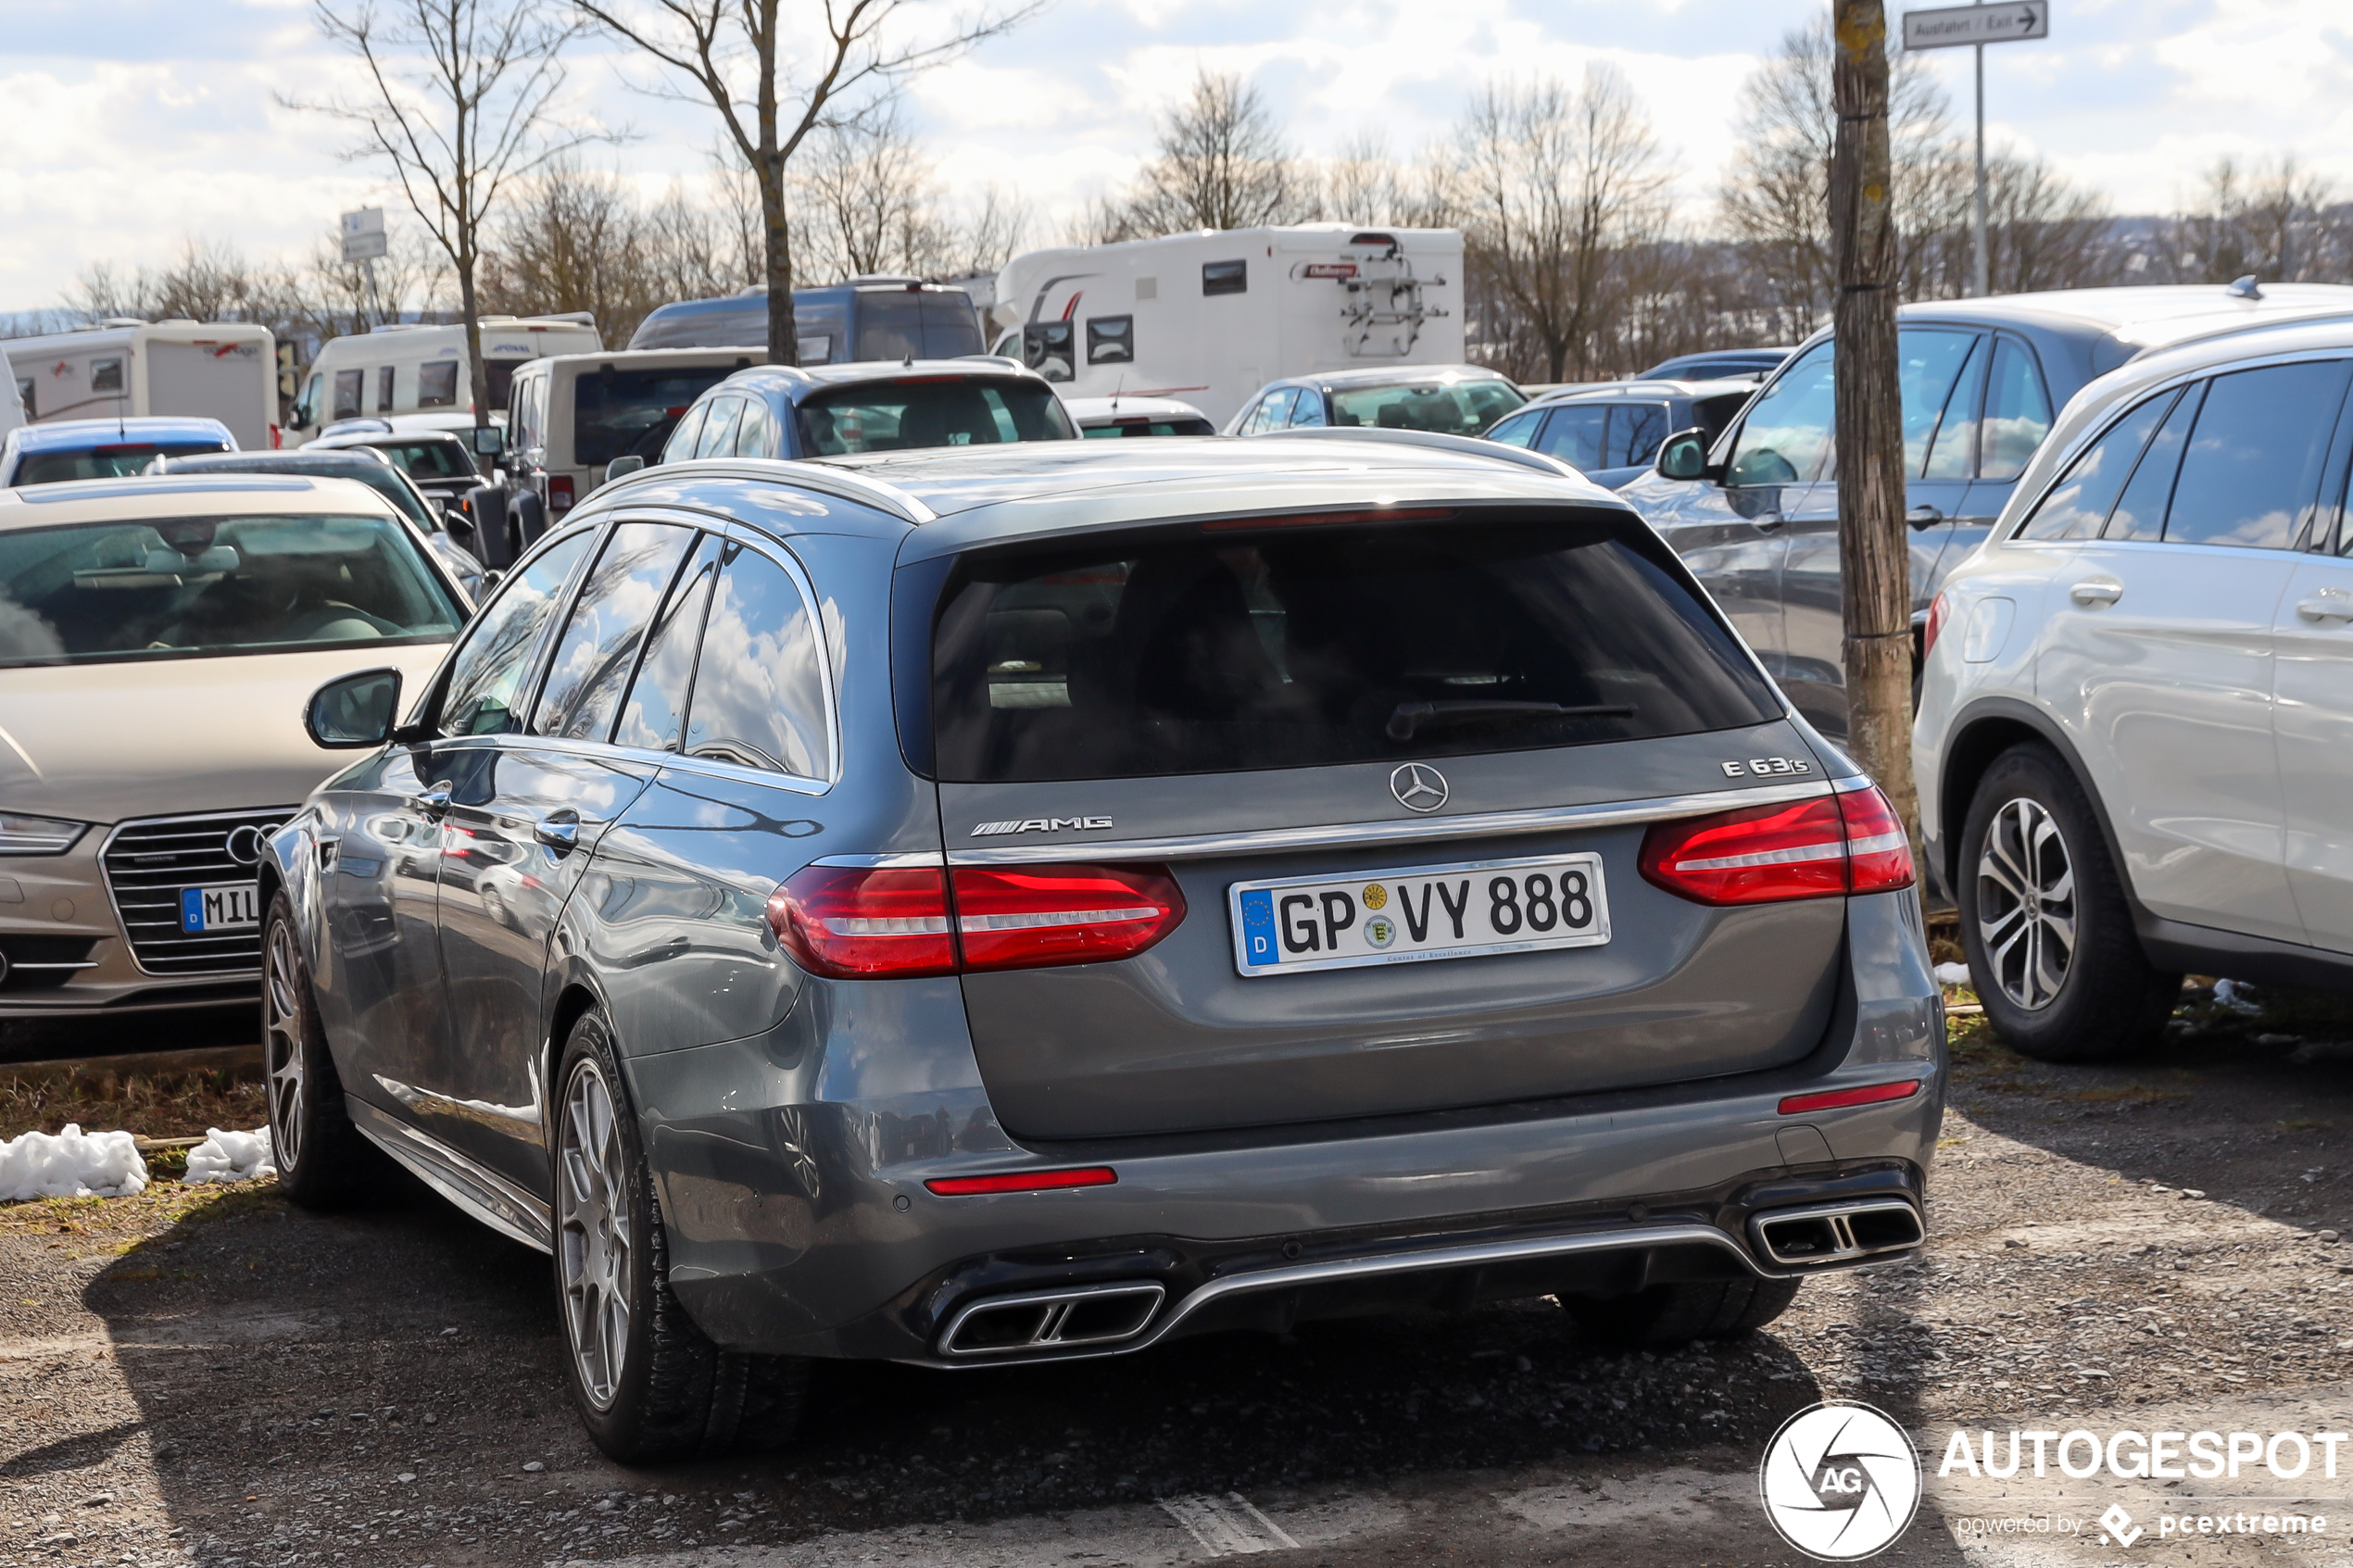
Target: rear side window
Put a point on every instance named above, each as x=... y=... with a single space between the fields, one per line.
x=2079 y=504
x=2252 y=464
x=655 y=717
x=1216 y=651
x=759 y=694
x=2018 y=413
x=1575 y=435
x=598 y=649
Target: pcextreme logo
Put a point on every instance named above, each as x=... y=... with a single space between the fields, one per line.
x=1840 y=1481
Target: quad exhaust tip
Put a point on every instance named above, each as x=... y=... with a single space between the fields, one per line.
x=1833 y=1233
x=1053 y=1319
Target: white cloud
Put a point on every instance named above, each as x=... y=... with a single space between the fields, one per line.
x=128 y=126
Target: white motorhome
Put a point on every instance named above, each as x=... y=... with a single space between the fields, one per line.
x=11 y=397
x=420 y=368
x=225 y=371
x=1211 y=316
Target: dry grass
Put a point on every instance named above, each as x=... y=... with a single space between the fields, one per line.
x=164 y=1106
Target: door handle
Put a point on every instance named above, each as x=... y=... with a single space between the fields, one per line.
x=559 y=830
x=433 y=801
x=1924 y=516
x=2096 y=591
x=2327 y=605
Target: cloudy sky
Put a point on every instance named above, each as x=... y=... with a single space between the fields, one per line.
x=128 y=125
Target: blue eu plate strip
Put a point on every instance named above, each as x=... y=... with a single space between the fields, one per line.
x=192 y=908
x=1259 y=946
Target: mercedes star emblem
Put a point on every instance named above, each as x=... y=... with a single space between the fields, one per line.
x=1418 y=788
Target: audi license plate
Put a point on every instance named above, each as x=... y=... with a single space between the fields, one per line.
x=1418 y=912
x=228 y=906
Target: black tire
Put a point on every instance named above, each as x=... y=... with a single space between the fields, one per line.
x=323 y=1161
x=658 y=1389
x=1677 y=1314
x=2106 y=1000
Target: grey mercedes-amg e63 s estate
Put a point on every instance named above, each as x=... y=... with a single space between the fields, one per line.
x=1009 y=904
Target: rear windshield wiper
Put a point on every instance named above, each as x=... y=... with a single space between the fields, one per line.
x=1407 y=718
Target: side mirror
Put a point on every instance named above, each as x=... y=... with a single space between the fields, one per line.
x=354 y=712
x=489 y=441
x=620 y=466
x=1684 y=456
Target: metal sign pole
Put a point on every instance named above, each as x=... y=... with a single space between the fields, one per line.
x=1981 y=273
x=376 y=302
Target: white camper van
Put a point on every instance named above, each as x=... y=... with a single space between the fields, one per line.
x=225 y=371
x=11 y=395
x=1214 y=315
x=571 y=414
x=416 y=367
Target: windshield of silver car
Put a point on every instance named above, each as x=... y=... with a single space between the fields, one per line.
x=96 y=593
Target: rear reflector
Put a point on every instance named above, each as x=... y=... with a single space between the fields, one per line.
x=1834 y=1100
x=1028 y=917
x=1024 y=1181
x=1817 y=849
x=559 y=492
x=851 y=923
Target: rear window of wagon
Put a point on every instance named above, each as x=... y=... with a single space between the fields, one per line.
x=1221 y=649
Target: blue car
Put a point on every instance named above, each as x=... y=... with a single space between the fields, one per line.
x=864 y=319
x=104 y=448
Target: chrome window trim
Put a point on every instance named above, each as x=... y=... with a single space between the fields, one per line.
x=1611 y=813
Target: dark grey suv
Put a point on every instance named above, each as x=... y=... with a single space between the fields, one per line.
x=983 y=906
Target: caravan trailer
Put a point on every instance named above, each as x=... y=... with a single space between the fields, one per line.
x=1211 y=316
x=127 y=368
x=11 y=395
x=420 y=368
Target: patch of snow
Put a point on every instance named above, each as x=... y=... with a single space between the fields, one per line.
x=70 y=1164
x=231 y=1157
x=1952 y=974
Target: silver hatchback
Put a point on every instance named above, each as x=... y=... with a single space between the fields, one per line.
x=985 y=906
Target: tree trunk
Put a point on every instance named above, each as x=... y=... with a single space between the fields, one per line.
x=1875 y=560
x=784 y=338
x=477 y=383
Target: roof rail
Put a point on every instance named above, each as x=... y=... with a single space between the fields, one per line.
x=1469 y=446
x=845 y=483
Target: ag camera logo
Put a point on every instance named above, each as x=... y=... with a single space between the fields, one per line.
x=1840 y=1481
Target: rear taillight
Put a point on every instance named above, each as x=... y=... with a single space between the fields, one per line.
x=1935 y=624
x=850 y=922
x=560 y=492
x=1028 y=917
x=1817 y=849
x=1879 y=853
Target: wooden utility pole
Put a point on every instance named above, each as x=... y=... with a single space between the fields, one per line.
x=1874 y=559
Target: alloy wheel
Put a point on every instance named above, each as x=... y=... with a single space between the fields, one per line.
x=2026 y=903
x=282 y=1027
x=593 y=1240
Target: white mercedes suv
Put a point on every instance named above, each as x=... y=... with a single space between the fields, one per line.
x=2134 y=744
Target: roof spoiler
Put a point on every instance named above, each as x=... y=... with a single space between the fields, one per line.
x=1469 y=446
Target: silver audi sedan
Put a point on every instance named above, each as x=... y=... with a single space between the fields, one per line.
x=1022 y=903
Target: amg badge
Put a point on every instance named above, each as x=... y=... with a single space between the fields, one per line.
x=1761 y=765
x=1042 y=824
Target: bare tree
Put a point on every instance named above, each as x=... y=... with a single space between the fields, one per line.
x=460 y=101
x=1553 y=185
x=570 y=239
x=2272 y=218
x=732 y=54
x=871 y=199
x=1221 y=164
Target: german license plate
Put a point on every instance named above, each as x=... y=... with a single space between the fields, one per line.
x=228 y=907
x=1418 y=912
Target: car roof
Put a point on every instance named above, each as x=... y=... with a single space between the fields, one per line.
x=368 y=440
x=625 y=358
x=2146 y=316
x=141 y=499
x=1646 y=390
x=68 y=435
x=800 y=380
x=1392 y=375
x=317 y=455
x=1103 y=410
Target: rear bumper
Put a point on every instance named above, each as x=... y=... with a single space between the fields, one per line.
x=792 y=1168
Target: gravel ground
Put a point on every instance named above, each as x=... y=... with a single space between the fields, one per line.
x=214 y=1375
